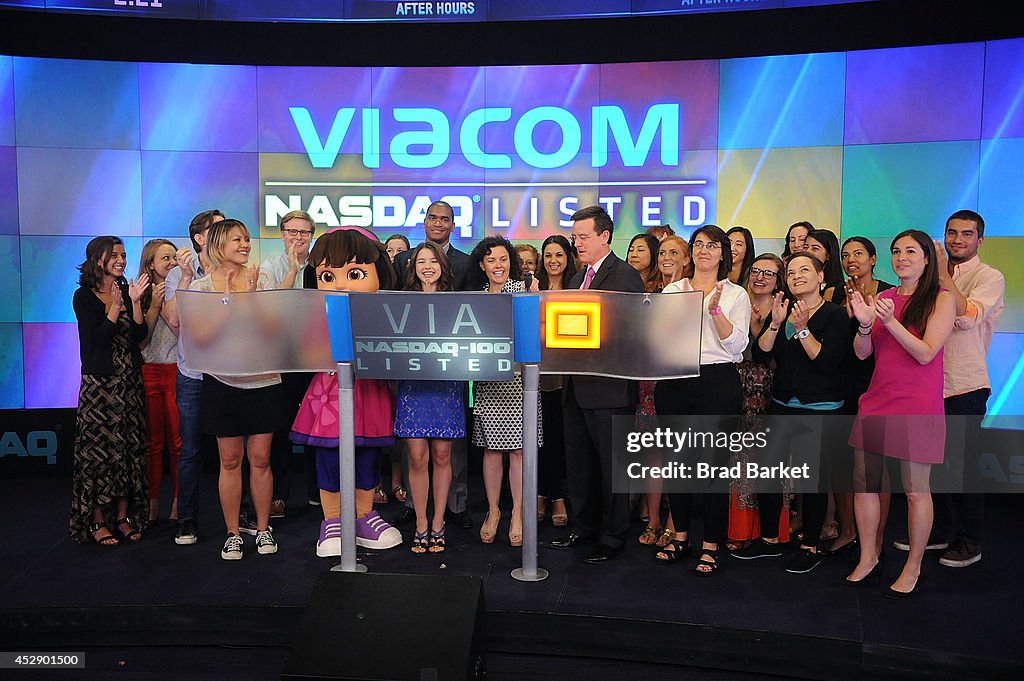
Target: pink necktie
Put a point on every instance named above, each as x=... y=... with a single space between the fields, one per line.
x=588 y=278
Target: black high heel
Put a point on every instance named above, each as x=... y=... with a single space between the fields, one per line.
x=902 y=595
x=870 y=579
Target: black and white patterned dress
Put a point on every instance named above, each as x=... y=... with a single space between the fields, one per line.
x=498 y=407
x=110 y=440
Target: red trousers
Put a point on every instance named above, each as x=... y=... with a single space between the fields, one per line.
x=161 y=424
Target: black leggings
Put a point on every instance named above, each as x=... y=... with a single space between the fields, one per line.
x=717 y=391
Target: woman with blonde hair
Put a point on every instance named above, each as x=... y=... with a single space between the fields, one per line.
x=242 y=412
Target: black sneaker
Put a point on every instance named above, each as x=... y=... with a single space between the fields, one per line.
x=758 y=549
x=961 y=554
x=934 y=544
x=232 y=548
x=247 y=524
x=804 y=561
x=186 y=533
x=265 y=543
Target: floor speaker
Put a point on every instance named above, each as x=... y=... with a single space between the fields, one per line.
x=367 y=627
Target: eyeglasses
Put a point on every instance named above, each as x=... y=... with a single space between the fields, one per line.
x=584 y=238
x=706 y=246
x=443 y=219
x=767 y=274
x=298 y=232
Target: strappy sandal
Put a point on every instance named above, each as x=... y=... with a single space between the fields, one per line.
x=664 y=537
x=559 y=519
x=674 y=552
x=109 y=540
x=648 y=536
x=419 y=543
x=133 y=535
x=380 y=496
x=711 y=564
x=437 y=544
x=400 y=494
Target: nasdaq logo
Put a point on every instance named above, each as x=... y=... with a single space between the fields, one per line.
x=41 y=443
x=430 y=130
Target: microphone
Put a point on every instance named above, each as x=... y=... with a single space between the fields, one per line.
x=528 y=280
x=122 y=284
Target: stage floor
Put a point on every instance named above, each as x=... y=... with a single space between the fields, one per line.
x=751 y=616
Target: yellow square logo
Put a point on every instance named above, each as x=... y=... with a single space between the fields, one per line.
x=573 y=325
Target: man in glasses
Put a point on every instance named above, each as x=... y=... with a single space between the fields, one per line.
x=285 y=270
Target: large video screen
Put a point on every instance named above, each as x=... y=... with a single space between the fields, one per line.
x=400 y=10
x=865 y=143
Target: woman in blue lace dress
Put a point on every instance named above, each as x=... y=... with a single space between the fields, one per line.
x=430 y=415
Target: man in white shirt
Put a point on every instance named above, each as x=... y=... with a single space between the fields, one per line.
x=978 y=290
x=286 y=271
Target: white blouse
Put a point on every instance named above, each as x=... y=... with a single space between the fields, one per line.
x=735 y=306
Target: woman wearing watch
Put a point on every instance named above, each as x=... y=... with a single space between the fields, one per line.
x=808 y=346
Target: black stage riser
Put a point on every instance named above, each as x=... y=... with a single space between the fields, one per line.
x=788 y=655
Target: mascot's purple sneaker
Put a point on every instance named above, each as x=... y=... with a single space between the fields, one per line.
x=373 y=532
x=329 y=543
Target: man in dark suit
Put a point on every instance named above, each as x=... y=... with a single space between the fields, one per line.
x=438 y=225
x=591 y=402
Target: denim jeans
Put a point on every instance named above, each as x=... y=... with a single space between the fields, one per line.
x=963 y=449
x=190 y=465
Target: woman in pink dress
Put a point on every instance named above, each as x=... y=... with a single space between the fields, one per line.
x=901 y=415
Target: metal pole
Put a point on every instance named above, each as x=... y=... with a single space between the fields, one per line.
x=529 y=572
x=347 y=469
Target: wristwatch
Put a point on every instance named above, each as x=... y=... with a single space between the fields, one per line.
x=800 y=335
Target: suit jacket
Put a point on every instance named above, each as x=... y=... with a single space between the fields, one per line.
x=593 y=392
x=456 y=258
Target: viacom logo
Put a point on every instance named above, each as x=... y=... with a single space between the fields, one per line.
x=426 y=145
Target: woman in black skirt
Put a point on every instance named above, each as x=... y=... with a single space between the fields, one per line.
x=242 y=412
x=110 y=429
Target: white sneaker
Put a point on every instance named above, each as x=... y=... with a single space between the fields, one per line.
x=232 y=548
x=265 y=543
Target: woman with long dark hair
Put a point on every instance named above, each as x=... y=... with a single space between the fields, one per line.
x=109 y=483
x=557 y=267
x=642 y=256
x=796 y=235
x=824 y=245
x=429 y=415
x=901 y=416
x=742 y=243
x=558 y=263
x=858 y=257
